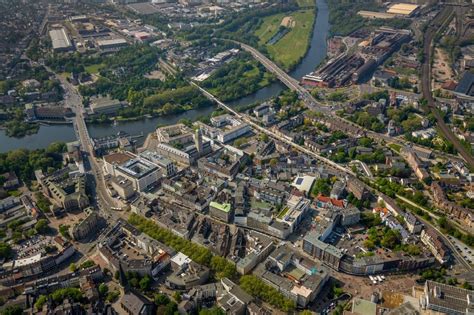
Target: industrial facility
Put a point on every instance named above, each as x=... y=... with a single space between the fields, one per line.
x=347 y=69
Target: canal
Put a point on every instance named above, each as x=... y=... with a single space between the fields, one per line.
x=65 y=133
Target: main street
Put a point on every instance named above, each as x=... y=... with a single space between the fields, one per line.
x=99 y=192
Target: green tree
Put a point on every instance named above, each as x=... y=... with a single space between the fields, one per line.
x=103 y=289
x=73 y=267
x=215 y=310
x=42 y=299
x=42 y=226
x=161 y=299
x=177 y=296
x=145 y=283
x=5 y=250
x=391 y=239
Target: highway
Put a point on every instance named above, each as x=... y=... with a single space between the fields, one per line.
x=435 y=25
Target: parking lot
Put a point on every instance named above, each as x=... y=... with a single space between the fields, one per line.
x=463 y=249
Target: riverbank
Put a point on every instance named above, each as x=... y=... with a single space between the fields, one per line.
x=296 y=31
x=65 y=133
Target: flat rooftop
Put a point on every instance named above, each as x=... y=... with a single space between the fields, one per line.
x=59 y=38
x=224 y=207
x=118 y=158
x=138 y=167
x=402 y=8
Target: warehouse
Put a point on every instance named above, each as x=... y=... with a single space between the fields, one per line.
x=60 y=40
x=112 y=44
x=403 y=9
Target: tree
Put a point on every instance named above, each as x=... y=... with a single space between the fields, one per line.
x=145 y=283
x=64 y=231
x=177 y=296
x=212 y=311
x=321 y=186
x=103 y=289
x=161 y=299
x=391 y=239
x=466 y=285
x=12 y=310
x=42 y=226
x=273 y=162
x=171 y=308
x=42 y=299
x=112 y=296
x=369 y=244
x=73 y=267
x=5 y=250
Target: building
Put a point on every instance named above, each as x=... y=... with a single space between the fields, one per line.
x=257 y=248
x=123 y=186
x=338 y=189
x=133 y=303
x=230 y=128
x=363 y=307
x=106 y=106
x=187 y=275
x=10 y=180
x=146 y=257
x=304 y=184
x=50 y=113
x=375 y=15
x=221 y=211
x=112 y=44
x=403 y=9
x=296 y=277
x=357 y=188
x=224 y=163
x=447 y=299
x=436 y=245
x=177 y=134
x=167 y=166
x=60 y=40
x=327 y=253
x=67 y=187
x=294 y=212
x=465 y=87
x=141 y=172
x=87 y=226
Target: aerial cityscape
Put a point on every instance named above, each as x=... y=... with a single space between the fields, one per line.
x=245 y=157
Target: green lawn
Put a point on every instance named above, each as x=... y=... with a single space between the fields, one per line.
x=269 y=27
x=93 y=69
x=292 y=47
x=306 y=3
x=282 y=213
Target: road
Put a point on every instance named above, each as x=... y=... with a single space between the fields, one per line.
x=99 y=192
x=328 y=114
x=435 y=25
x=446 y=239
x=340 y=169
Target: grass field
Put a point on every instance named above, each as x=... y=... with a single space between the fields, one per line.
x=306 y=3
x=269 y=27
x=93 y=69
x=293 y=46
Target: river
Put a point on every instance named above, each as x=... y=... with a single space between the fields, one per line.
x=65 y=133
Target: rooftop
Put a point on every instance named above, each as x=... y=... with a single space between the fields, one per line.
x=118 y=158
x=447 y=297
x=225 y=207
